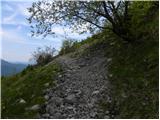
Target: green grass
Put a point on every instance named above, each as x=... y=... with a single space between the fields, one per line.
x=27 y=85
x=134 y=79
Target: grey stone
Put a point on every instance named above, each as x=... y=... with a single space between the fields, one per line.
x=90 y=105
x=107 y=112
x=109 y=59
x=47 y=90
x=81 y=65
x=93 y=114
x=51 y=117
x=110 y=75
x=78 y=92
x=46 y=97
x=67 y=75
x=46 y=84
x=68 y=90
x=35 y=107
x=71 y=99
x=57 y=115
x=50 y=109
x=60 y=76
x=46 y=115
x=56 y=100
x=106 y=117
x=95 y=92
x=70 y=108
x=22 y=101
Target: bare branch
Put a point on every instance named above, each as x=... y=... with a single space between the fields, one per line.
x=106 y=12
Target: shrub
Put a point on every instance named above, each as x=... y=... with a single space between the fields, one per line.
x=68 y=46
x=43 y=56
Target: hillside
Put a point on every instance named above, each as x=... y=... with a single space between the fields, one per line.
x=8 y=69
x=101 y=77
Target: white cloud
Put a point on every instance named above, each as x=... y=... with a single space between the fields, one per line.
x=18 y=13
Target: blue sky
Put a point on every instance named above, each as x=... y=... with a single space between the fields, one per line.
x=17 y=45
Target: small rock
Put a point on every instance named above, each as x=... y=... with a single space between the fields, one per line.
x=68 y=70
x=143 y=103
x=46 y=90
x=77 y=91
x=68 y=90
x=106 y=117
x=93 y=114
x=46 y=115
x=22 y=101
x=46 y=84
x=124 y=95
x=90 y=105
x=71 y=99
x=67 y=75
x=49 y=109
x=70 y=108
x=32 y=96
x=109 y=59
x=57 y=115
x=107 y=112
x=112 y=116
x=46 y=97
x=95 y=92
x=81 y=65
x=57 y=100
x=51 y=117
x=35 y=107
x=59 y=76
x=110 y=75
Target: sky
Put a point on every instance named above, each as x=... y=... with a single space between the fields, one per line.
x=17 y=45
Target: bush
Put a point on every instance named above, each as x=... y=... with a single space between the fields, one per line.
x=43 y=56
x=68 y=46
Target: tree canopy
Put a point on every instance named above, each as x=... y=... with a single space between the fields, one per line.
x=82 y=16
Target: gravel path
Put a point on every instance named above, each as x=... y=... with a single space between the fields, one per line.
x=79 y=88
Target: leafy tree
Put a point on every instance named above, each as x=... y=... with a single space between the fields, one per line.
x=81 y=16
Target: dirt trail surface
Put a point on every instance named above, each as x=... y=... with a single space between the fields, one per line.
x=79 y=88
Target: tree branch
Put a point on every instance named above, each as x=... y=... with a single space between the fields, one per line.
x=106 y=13
x=126 y=3
x=101 y=27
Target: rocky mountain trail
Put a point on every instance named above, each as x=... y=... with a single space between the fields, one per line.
x=79 y=88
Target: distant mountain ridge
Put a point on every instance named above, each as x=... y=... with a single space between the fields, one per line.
x=8 y=68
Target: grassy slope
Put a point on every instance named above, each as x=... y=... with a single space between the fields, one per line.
x=27 y=85
x=135 y=70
